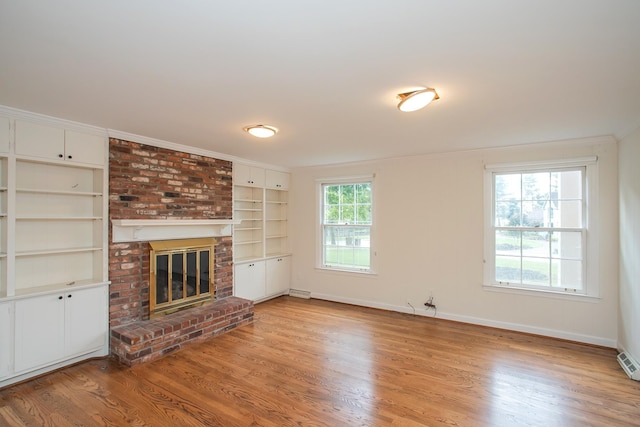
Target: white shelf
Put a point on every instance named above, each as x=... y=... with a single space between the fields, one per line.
x=249 y=242
x=56 y=162
x=60 y=218
x=57 y=287
x=57 y=251
x=58 y=192
x=242 y=260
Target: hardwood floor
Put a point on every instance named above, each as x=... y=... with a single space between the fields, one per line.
x=316 y=363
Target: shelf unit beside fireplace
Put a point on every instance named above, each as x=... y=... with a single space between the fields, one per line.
x=53 y=244
x=260 y=241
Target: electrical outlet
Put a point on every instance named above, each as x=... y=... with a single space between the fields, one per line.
x=430 y=304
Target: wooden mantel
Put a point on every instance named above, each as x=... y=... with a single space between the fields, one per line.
x=134 y=230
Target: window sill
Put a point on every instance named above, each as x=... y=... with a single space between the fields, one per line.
x=541 y=293
x=346 y=271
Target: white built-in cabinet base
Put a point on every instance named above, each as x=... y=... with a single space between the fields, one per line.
x=47 y=331
x=263 y=279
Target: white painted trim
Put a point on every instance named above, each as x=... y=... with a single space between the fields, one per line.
x=517 y=327
x=144 y=230
x=543 y=164
x=42 y=119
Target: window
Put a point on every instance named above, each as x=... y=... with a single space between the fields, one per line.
x=537 y=234
x=346 y=221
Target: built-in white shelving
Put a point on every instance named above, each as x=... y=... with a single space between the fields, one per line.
x=53 y=245
x=260 y=241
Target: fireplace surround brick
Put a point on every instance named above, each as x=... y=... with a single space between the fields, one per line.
x=147 y=182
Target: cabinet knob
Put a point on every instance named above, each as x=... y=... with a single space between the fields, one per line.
x=69 y=296
x=60 y=297
x=70 y=157
x=60 y=155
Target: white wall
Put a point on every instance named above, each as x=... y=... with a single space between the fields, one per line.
x=429 y=221
x=629 y=181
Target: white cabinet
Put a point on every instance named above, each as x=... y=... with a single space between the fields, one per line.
x=277 y=180
x=39 y=331
x=86 y=320
x=249 y=280
x=37 y=140
x=259 y=280
x=6 y=338
x=59 y=326
x=277 y=275
x=250 y=176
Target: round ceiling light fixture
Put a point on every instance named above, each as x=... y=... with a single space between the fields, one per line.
x=261 y=131
x=416 y=99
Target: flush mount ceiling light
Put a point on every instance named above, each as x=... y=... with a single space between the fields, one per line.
x=261 y=131
x=417 y=99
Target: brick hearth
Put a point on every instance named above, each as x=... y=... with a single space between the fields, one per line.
x=144 y=341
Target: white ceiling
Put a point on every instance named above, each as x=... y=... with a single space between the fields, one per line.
x=326 y=72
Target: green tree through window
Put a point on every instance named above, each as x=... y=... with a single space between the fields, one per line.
x=346 y=226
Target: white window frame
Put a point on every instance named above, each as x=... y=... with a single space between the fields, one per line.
x=320 y=183
x=590 y=224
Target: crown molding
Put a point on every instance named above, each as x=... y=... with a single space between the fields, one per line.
x=15 y=113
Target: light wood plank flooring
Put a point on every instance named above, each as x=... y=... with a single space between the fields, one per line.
x=316 y=363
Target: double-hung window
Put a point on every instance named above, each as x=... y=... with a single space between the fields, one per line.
x=537 y=234
x=345 y=225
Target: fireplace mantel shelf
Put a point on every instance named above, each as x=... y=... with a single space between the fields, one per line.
x=133 y=230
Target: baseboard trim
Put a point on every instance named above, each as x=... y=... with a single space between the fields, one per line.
x=517 y=327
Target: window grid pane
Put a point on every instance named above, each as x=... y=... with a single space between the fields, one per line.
x=346 y=226
x=534 y=213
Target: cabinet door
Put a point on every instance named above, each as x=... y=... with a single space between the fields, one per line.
x=250 y=176
x=249 y=280
x=84 y=148
x=6 y=338
x=277 y=180
x=4 y=135
x=278 y=275
x=39 y=328
x=39 y=140
x=86 y=320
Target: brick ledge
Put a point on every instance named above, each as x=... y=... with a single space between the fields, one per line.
x=146 y=340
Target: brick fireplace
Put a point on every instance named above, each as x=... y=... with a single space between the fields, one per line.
x=153 y=183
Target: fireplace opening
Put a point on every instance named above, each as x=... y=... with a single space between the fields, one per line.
x=181 y=274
